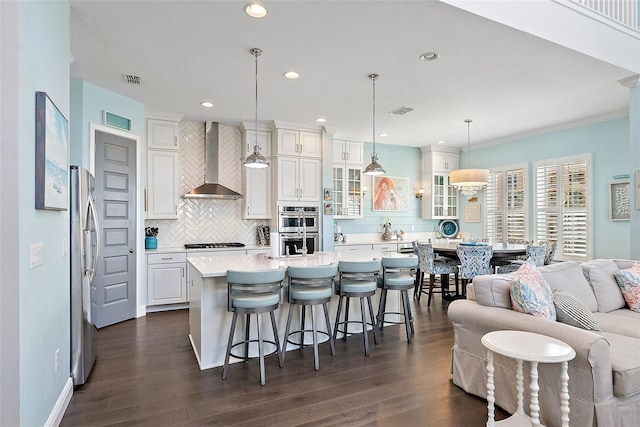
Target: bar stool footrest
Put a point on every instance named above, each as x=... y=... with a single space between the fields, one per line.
x=247 y=358
x=308 y=331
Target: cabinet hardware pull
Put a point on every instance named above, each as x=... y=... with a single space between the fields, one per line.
x=175 y=141
x=166 y=259
x=175 y=210
x=182 y=271
x=145 y=199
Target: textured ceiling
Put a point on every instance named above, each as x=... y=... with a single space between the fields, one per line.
x=508 y=82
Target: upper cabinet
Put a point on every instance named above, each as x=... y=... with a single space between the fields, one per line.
x=290 y=142
x=161 y=194
x=441 y=161
x=162 y=134
x=249 y=139
x=347 y=179
x=298 y=179
x=441 y=198
x=350 y=152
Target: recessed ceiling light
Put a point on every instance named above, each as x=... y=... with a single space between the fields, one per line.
x=291 y=75
x=440 y=142
x=206 y=104
x=428 y=56
x=383 y=134
x=321 y=120
x=255 y=10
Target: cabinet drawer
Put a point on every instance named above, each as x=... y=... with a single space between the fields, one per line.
x=166 y=258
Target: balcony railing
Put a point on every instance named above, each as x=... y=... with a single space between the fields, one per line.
x=624 y=12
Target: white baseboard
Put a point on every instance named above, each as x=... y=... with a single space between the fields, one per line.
x=55 y=417
x=141 y=311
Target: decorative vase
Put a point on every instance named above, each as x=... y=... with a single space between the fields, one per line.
x=150 y=242
x=386 y=232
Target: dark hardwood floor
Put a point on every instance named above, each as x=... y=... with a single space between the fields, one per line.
x=147 y=374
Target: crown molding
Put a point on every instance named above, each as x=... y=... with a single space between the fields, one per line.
x=630 y=82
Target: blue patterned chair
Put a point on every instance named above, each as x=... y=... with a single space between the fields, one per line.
x=474 y=260
x=428 y=263
x=536 y=253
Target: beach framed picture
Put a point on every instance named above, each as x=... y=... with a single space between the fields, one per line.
x=52 y=139
x=390 y=193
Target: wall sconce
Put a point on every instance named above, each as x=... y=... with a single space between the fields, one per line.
x=364 y=189
x=420 y=193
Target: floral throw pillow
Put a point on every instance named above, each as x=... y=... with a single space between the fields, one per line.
x=629 y=282
x=531 y=294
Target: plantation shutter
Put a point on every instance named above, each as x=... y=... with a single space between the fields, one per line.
x=562 y=205
x=494 y=212
x=515 y=205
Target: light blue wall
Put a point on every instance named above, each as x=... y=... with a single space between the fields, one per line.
x=398 y=161
x=609 y=144
x=44 y=290
x=88 y=102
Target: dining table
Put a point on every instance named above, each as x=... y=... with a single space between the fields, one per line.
x=502 y=252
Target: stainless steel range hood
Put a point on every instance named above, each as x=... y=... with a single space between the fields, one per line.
x=212 y=189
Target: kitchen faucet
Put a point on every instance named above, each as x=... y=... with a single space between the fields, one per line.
x=302 y=219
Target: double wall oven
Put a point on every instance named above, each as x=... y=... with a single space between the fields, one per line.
x=293 y=222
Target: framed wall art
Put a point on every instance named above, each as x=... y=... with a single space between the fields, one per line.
x=619 y=206
x=52 y=133
x=390 y=193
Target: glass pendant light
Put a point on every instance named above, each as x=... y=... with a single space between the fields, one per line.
x=256 y=160
x=469 y=181
x=374 y=167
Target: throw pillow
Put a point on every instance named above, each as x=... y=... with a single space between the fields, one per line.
x=572 y=311
x=629 y=282
x=531 y=294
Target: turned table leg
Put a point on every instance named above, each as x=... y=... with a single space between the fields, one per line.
x=564 y=395
x=534 y=406
x=491 y=422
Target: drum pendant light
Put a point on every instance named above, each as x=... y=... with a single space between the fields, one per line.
x=469 y=181
x=256 y=160
x=374 y=168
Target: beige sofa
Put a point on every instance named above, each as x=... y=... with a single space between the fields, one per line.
x=604 y=377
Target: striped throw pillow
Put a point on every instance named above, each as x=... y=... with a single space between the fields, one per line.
x=572 y=311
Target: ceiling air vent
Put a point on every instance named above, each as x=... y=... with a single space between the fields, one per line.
x=131 y=79
x=401 y=110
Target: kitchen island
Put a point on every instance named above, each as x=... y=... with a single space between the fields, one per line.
x=209 y=320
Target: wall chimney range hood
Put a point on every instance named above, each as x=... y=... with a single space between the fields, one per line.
x=212 y=189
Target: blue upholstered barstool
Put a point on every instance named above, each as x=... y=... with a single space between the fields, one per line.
x=397 y=275
x=427 y=263
x=253 y=292
x=358 y=279
x=309 y=286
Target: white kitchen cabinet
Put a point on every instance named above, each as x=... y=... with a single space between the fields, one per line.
x=299 y=179
x=256 y=203
x=162 y=184
x=347 y=179
x=265 y=251
x=162 y=134
x=440 y=200
x=289 y=142
x=349 y=152
x=166 y=278
x=353 y=248
x=249 y=136
x=386 y=247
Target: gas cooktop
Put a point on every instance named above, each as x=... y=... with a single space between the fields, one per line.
x=213 y=245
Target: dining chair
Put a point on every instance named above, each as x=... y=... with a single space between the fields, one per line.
x=535 y=253
x=474 y=260
x=428 y=263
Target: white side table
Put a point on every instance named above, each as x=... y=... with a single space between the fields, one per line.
x=533 y=348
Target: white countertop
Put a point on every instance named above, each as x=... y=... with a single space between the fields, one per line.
x=182 y=249
x=217 y=266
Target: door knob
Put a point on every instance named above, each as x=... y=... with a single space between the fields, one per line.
x=131 y=250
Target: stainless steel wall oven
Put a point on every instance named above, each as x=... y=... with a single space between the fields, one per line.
x=295 y=222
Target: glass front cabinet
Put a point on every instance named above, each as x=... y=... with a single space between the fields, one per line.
x=347 y=179
x=441 y=198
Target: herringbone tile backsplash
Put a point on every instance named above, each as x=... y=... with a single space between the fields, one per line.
x=207 y=220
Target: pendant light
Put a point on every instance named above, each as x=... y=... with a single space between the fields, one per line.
x=256 y=160
x=469 y=181
x=374 y=168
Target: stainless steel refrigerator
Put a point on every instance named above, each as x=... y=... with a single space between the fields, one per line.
x=84 y=247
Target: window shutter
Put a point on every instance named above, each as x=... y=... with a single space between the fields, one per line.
x=516 y=227
x=494 y=214
x=574 y=212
